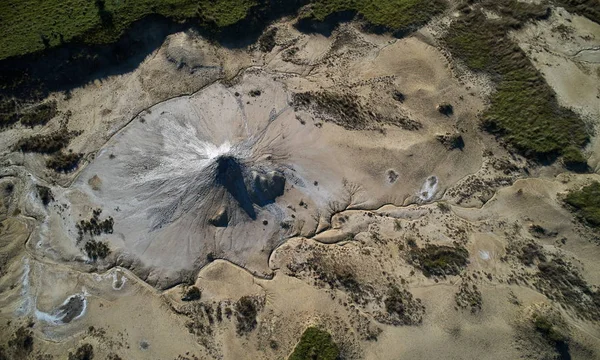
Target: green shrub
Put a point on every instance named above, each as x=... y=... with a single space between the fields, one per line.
x=586 y=203
x=315 y=344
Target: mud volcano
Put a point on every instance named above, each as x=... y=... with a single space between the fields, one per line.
x=194 y=178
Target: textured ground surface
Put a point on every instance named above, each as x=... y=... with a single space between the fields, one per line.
x=311 y=184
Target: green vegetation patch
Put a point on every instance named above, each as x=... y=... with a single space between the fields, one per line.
x=523 y=110
x=439 y=260
x=586 y=203
x=315 y=344
x=32 y=25
x=246 y=311
x=392 y=15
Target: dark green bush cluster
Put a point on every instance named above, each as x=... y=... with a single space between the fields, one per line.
x=45 y=194
x=266 y=42
x=315 y=344
x=246 y=312
x=64 y=162
x=94 y=226
x=586 y=203
x=96 y=249
x=402 y=308
x=192 y=294
x=45 y=144
x=439 y=260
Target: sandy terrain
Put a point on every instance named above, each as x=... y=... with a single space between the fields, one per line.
x=308 y=181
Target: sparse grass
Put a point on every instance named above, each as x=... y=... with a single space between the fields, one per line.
x=315 y=344
x=390 y=15
x=586 y=203
x=523 y=109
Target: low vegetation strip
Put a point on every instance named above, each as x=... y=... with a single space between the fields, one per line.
x=524 y=109
x=31 y=26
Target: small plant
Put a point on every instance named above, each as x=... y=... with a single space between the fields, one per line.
x=544 y=326
x=397 y=225
x=398 y=96
x=315 y=344
x=255 y=93
x=94 y=226
x=445 y=109
x=443 y=207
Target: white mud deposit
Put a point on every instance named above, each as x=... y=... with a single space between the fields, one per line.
x=71 y=309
